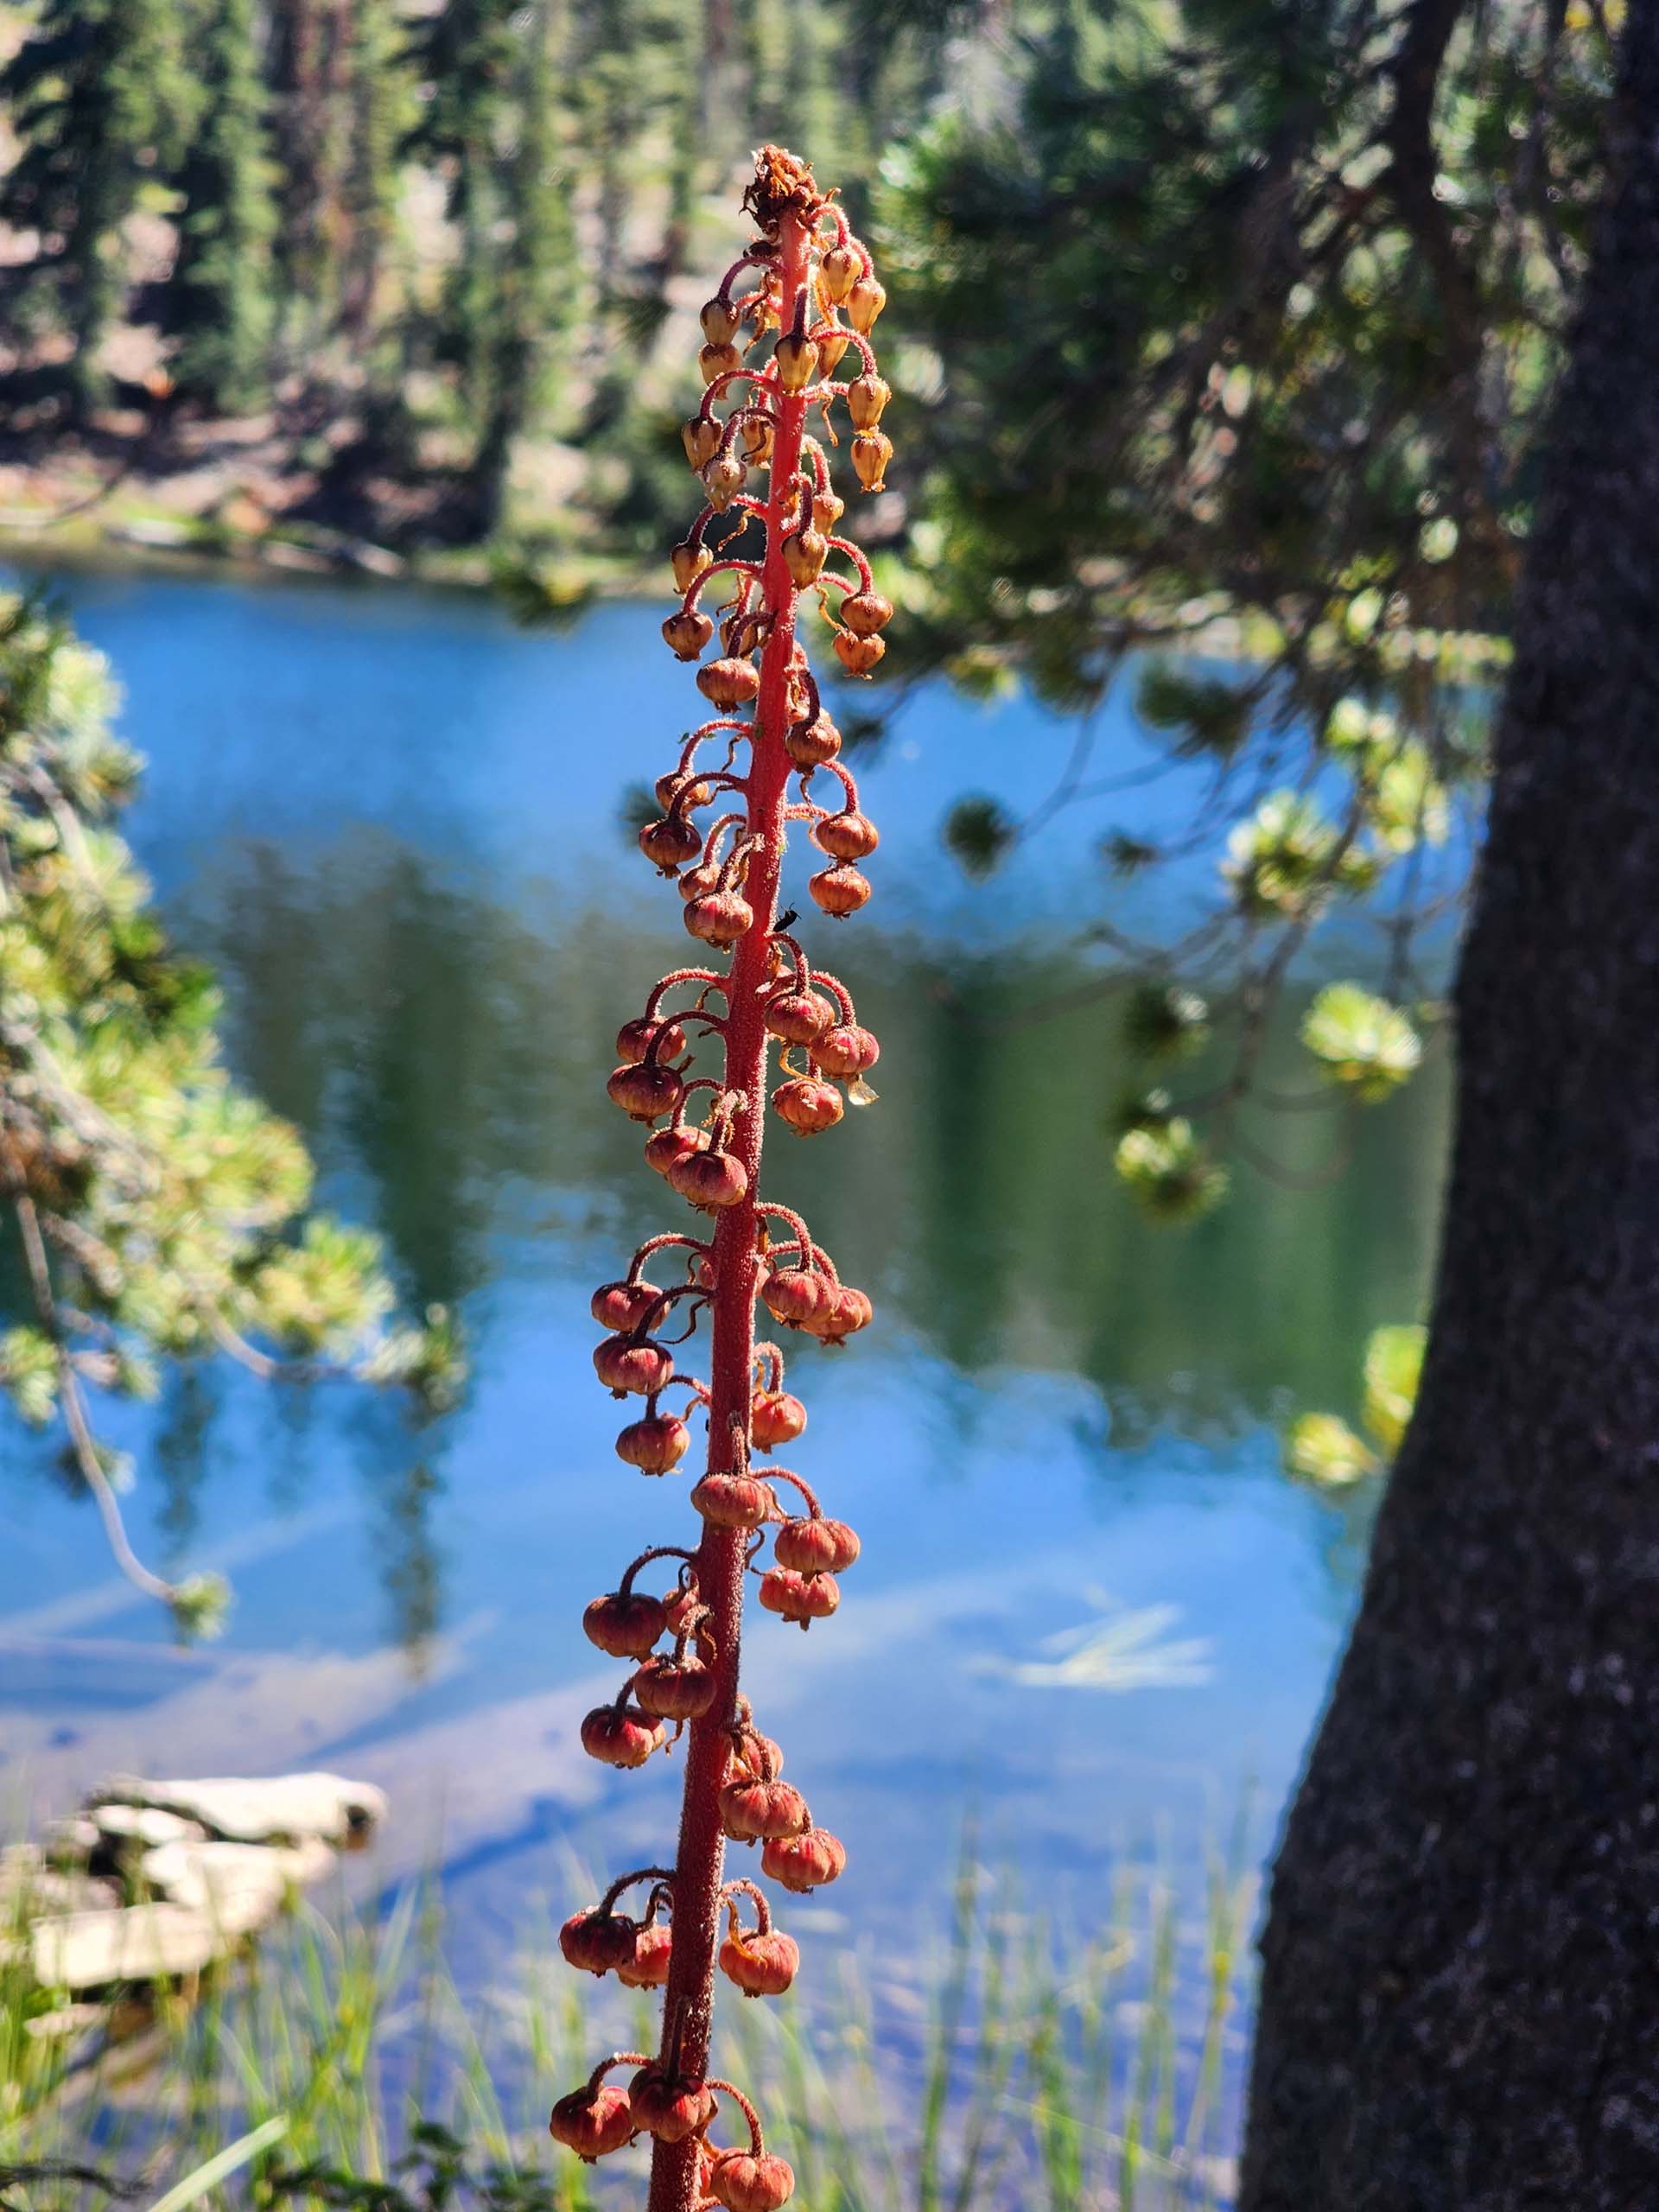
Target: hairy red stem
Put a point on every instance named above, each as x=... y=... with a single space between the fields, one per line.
x=700 y=1860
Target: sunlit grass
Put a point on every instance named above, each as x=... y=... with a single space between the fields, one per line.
x=1017 y=2063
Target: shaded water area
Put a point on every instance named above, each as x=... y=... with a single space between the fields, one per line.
x=392 y=821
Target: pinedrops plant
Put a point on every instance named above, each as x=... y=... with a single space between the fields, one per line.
x=801 y=298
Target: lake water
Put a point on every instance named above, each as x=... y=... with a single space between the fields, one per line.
x=390 y=820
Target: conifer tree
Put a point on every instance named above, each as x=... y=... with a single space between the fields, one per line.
x=219 y=299
x=98 y=96
x=160 y=1214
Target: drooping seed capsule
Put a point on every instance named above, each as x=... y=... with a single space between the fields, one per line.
x=729 y=682
x=686 y=560
x=752 y=1811
x=597 y=1942
x=843 y=1314
x=838 y=271
x=631 y=1364
x=674 y=1689
x=839 y=891
x=872 y=451
x=687 y=634
x=669 y=842
x=700 y=435
x=722 y=480
x=719 y=918
x=718 y=361
x=798 y=1017
x=667 y=2107
x=635 y=1038
x=864 y=303
x=832 y=344
x=757 y=434
x=828 y=508
x=618 y=1738
x=733 y=1501
x=802 y=1598
x=803 y=1863
x=808 y=1106
x=666 y=1148
x=746 y=2181
x=858 y=656
x=866 y=395
x=793 y=1295
x=690 y=791
x=844 y=1052
x=809 y=745
x=813 y=1544
x=755 y=1758
x=711 y=1181
x=655 y=1445
x=593 y=2122
x=719 y=322
x=775 y=1417
x=805 y=552
x=645 y=1089
x=621 y=1306
x=795 y=360
x=761 y=1966
x=627 y=1623
x=653 y=1949
x=864 y=612
x=848 y=835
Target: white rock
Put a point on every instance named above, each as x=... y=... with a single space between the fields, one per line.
x=145 y=1825
x=140 y=1942
x=283 y=1808
x=238 y=1886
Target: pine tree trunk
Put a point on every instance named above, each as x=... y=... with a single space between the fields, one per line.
x=1460 y=2006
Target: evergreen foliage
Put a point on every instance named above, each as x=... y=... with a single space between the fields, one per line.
x=160 y=1213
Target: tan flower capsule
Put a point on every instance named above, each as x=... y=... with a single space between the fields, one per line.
x=729 y=682
x=795 y=362
x=839 y=891
x=723 y=478
x=858 y=656
x=700 y=435
x=757 y=440
x=864 y=612
x=831 y=346
x=689 y=562
x=864 y=303
x=714 y=361
x=805 y=552
x=866 y=397
x=809 y=745
x=687 y=634
x=827 y=511
x=872 y=451
x=719 y=322
x=838 y=272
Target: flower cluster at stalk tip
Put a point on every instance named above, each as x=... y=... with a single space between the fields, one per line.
x=763 y=554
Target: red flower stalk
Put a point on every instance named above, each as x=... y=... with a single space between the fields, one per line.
x=804 y=294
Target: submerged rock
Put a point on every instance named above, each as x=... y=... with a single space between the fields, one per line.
x=277 y=1809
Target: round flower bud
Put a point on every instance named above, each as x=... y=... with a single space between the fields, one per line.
x=808 y=1106
x=687 y=634
x=674 y=1689
x=635 y=1038
x=719 y=322
x=838 y=271
x=723 y=478
x=689 y=560
x=866 y=397
x=654 y=1445
x=597 y=1942
x=864 y=303
x=747 y=2181
x=864 y=612
x=848 y=835
x=795 y=361
x=627 y=1624
x=751 y=1811
x=844 y=1052
x=665 y=1148
x=719 y=918
x=729 y=682
x=872 y=451
x=717 y=360
x=858 y=656
x=805 y=552
x=839 y=891
x=645 y=1089
x=653 y=1947
x=815 y=1545
x=700 y=435
x=593 y=2122
x=798 y=1017
x=802 y=1863
x=761 y=1966
x=629 y=1363
x=620 y=1737
x=809 y=745
x=733 y=1501
x=621 y=1306
x=802 y=1598
x=710 y=1180
x=668 y=2108
x=775 y=1417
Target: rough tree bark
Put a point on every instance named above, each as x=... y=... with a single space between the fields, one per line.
x=1460 y=2005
